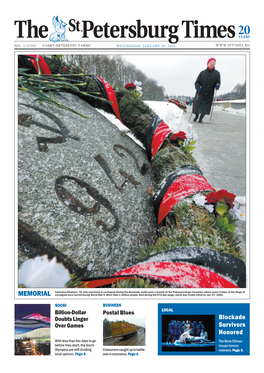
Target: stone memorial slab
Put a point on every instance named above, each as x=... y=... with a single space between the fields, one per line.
x=82 y=188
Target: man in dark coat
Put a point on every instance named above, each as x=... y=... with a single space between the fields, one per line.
x=208 y=80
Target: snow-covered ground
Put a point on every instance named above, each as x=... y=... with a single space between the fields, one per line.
x=231 y=110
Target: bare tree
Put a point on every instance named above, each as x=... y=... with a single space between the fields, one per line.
x=117 y=71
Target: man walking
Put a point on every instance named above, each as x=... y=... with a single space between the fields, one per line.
x=208 y=80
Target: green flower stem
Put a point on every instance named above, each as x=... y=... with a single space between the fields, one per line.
x=36 y=84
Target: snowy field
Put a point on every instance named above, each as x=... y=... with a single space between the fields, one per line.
x=231 y=110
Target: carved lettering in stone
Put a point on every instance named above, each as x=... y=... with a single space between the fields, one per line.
x=72 y=203
x=64 y=134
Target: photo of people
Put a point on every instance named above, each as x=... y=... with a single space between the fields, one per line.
x=188 y=333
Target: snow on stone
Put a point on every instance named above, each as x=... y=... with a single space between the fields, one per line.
x=113 y=119
x=170 y=113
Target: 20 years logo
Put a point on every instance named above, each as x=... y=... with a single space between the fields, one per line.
x=244 y=32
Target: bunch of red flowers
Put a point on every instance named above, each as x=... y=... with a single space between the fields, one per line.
x=130 y=86
x=180 y=135
x=221 y=196
x=222 y=201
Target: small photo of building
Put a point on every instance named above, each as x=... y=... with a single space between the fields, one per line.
x=32 y=329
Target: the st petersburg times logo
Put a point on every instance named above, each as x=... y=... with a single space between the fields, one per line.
x=59 y=27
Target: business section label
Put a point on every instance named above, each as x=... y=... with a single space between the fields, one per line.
x=203 y=329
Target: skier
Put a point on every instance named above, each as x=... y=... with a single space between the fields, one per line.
x=207 y=81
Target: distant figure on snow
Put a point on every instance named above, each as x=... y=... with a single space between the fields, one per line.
x=208 y=80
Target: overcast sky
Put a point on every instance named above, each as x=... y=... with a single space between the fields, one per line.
x=177 y=73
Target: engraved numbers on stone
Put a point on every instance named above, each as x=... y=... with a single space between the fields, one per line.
x=103 y=163
x=64 y=183
x=142 y=169
x=75 y=205
x=63 y=132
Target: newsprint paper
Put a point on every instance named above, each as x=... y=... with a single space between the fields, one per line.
x=131 y=186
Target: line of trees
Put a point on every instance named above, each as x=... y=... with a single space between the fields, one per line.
x=238 y=92
x=118 y=72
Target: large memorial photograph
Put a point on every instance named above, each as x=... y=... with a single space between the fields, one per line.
x=131 y=171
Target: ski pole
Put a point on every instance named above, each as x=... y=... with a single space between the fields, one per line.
x=213 y=104
x=194 y=105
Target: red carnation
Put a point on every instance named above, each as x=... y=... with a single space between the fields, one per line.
x=180 y=135
x=130 y=86
x=222 y=195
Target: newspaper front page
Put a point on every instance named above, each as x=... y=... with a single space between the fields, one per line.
x=132 y=164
